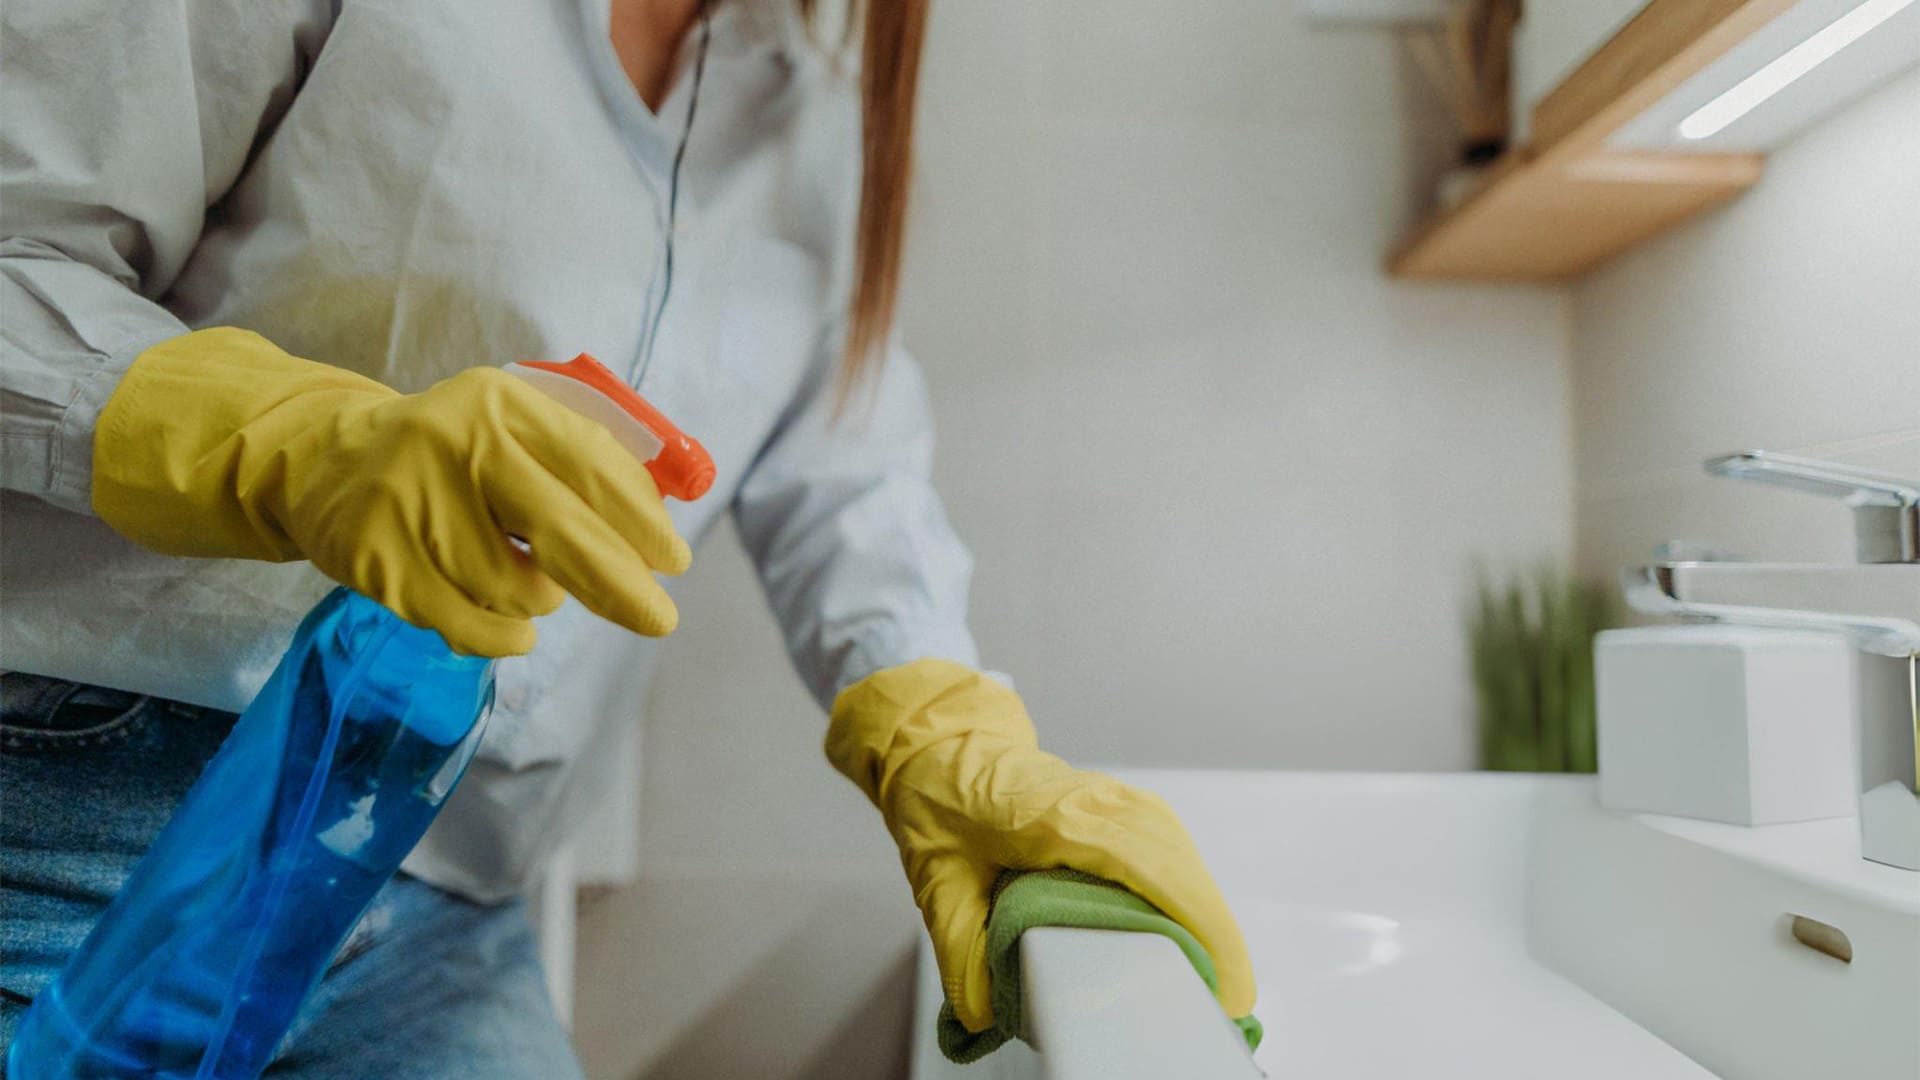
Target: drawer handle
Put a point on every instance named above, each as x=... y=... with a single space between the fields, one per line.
x=1822 y=938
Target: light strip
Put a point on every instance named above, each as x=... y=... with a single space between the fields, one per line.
x=1709 y=119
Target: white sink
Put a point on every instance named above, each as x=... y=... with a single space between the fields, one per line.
x=1687 y=926
x=1386 y=914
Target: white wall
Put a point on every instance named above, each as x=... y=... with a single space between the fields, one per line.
x=1215 y=467
x=1789 y=321
x=1225 y=484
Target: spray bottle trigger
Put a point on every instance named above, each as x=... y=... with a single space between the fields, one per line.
x=680 y=466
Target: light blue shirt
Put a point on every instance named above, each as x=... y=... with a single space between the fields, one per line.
x=408 y=190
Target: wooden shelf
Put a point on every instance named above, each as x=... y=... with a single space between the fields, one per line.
x=1563 y=205
x=1556 y=217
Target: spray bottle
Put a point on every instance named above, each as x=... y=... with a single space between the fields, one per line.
x=328 y=779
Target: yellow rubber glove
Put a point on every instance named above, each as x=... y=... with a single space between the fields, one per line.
x=950 y=758
x=217 y=443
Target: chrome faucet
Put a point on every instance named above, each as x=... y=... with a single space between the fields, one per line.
x=1875 y=602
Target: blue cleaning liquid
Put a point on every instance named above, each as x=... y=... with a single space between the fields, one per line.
x=201 y=963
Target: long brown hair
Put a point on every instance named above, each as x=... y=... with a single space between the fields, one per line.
x=891 y=33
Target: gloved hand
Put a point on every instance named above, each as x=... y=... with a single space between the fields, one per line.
x=217 y=443
x=950 y=758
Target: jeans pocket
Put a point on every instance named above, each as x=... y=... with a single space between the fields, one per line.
x=42 y=714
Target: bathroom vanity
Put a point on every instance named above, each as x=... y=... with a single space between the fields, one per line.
x=1490 y=926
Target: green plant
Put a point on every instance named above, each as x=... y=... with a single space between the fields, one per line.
x=1532 y=646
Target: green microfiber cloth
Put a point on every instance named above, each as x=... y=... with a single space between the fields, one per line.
x=1061 y=897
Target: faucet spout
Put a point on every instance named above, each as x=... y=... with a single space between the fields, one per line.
x=1876 y=604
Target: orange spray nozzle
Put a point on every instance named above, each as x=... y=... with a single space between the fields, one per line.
x=679 y=464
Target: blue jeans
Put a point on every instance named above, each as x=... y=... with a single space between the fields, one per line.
x=427 y=986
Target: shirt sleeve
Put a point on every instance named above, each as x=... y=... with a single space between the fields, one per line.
x=121 y=124
x=850 y=540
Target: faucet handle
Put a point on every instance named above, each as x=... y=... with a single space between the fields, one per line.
x=1886 y=509
x=1859 y=487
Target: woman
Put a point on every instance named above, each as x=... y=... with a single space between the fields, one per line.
x=260 y=259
